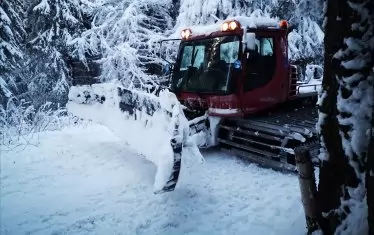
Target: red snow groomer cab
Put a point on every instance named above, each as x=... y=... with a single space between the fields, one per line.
x=239 y=71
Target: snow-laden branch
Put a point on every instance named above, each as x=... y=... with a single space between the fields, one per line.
x=52 y=23
x=125 y=34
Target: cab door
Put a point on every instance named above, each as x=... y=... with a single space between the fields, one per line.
x=261 y=88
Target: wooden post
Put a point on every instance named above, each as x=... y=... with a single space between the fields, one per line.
x=307 y=187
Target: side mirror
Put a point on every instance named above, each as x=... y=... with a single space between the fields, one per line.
x=166 y=70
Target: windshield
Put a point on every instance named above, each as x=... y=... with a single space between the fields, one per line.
x=205 y=65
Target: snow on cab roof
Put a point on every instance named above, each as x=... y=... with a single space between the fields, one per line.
x=253 y=21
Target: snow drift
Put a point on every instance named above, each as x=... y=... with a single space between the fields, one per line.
x=157 y=129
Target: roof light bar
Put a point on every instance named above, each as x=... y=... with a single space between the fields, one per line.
x=233 y=25
x=230 y=26
x=225 y=26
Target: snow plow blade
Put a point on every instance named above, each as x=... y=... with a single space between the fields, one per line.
x=153 y=125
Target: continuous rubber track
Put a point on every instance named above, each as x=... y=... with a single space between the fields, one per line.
x=270 y=139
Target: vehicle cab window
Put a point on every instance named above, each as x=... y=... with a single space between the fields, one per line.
x=198 y=57
x=261 y=62
x=206 y=65
x=267 y=47
x=229 y=51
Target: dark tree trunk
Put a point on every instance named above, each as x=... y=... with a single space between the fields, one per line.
x=370 y=183
x=370 y=161
x=332 y=170
x=337 y=172
x=370 y=176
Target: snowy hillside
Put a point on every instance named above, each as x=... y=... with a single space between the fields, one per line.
x=84 y=180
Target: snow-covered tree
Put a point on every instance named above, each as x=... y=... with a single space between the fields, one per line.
x=308 y=9
x=125 y=33
x=306 y=37
x=346 y=107
x=306 y=45
x=11 y=52
x=11 y=34
x=51 y=24
x=194 y=12
x=284 y=9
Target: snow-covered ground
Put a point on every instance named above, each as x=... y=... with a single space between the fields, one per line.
x=84 y=180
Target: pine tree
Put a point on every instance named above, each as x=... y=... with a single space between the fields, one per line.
x=306 y=37
x=306 y=44
x=11 y=52
x=11 y=34
x=285 y=9
x=126 y=34
x=51 y=24
x=309 y=9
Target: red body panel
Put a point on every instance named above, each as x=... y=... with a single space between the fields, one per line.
x=275 y=91
x=217 y=105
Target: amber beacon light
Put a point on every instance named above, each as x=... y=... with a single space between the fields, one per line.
x=283 y=24
x=186 y=33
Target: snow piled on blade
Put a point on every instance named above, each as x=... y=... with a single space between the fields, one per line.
x=147 y=131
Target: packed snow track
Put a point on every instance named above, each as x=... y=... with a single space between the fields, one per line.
x=84 y=180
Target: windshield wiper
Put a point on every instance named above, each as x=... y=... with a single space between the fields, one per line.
x=194 y=56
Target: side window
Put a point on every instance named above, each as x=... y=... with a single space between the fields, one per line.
x=267 y=47
x=261 y=63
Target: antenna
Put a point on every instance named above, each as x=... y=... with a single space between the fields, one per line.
x=215 y=17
